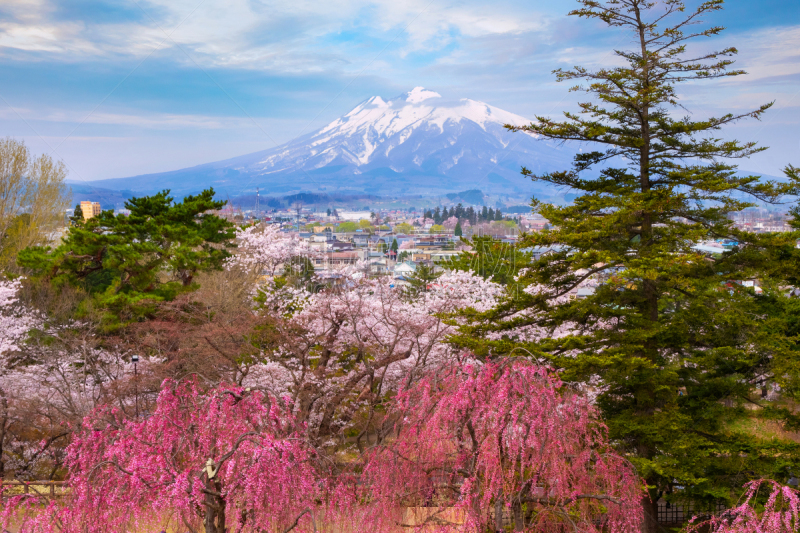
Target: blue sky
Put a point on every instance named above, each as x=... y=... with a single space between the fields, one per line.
x=125 y=87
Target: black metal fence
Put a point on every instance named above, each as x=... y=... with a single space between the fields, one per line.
x=680 y=513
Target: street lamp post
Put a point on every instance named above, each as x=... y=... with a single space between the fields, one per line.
x=135 y=361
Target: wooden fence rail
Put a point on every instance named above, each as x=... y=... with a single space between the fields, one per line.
x=28 y=485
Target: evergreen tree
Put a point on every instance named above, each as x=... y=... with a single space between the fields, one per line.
x=329 y=211
x=458 y=232
x=394 y=245
x=490 y=215
x=420 y=281
x=484 y=214
x=77 y=216
x=437 y=216
x=671 y=338
x=150 y=255
x=498 y=215
x=492 y=258
x=300 y=273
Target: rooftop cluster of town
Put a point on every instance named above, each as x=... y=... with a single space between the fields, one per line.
x=392 y=242
x=395 y=242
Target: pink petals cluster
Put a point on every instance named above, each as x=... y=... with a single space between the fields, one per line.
x=363 y=331
x=781 y=512
x=229 y=456
x=450 y=223
x=499 y=444
x=15 y=319
x=267 y=248
x=476 y=446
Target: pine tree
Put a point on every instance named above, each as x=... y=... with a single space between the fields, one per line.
x=77 y=216
x=150 y=255
x=672 y=339
x=484 y=213
x=458 y=232
x=498 y=215
x=420 y=281
x=394 y=245
x=490 y=215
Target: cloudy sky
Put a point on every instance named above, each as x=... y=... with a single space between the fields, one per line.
x=123 y=87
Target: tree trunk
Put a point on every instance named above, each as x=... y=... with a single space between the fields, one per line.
x=3 y=428
x=519 y=519
x=214 y=520
x=498 y=515
x=649 y=515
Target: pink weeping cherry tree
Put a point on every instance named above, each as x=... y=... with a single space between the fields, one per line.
x=228 y=460
x=479 y=448
x=778 y=513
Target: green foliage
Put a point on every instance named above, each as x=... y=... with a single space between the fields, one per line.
x=347 y=227
x=300 y=273
x=675 y=341
x=491 y=258
x=420 y=281
x=129 y=262
x=436 y=228
x=394 y=245
x=77 y=216
x=404 y=228
x=458 y=231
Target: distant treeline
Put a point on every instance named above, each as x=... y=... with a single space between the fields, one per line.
x=487 y=214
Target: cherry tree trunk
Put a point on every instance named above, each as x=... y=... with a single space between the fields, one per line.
x=519 y=520
x=498 y=515
x=214 y=521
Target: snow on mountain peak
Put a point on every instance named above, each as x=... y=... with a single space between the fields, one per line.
x=419 y=94
x=378 y=126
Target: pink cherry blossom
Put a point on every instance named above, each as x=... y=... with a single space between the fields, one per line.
x=231 y=459
x=15 y=319
x=484 y=443
x=780 y=513
x=266 y=247
x=450 y=223
x=347 y=345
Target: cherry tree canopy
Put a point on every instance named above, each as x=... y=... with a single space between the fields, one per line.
x=230 y=458
x=342 y=348
x=267 y=248
x=500 y=440
x=780 y=513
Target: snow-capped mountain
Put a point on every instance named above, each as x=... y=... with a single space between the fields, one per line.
x=416 y=143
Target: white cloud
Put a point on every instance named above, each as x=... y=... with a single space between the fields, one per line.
x=288 y=35
x=768 y=53
x=164 y=121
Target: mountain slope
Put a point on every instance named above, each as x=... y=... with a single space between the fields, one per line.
x=416 y=143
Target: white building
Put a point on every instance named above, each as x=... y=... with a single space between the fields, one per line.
x=354 y=215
